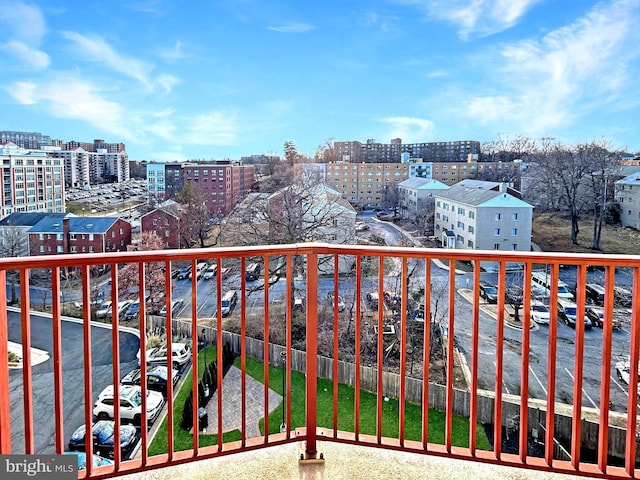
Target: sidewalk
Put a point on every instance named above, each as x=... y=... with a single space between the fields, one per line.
x=232 y=404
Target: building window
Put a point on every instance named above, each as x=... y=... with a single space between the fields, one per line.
x=497 y=216
x=155 y=221
x=496 y=232
x=461 y=225
x=91 y=236
x=73 y=249
x=514 y=232
x=90 y=248
x=113 y=234
x=469 y=244
x=514 y=216
x=167 y=233
x=471 y=229
x=472 y=215
x=514 y=246
x=496 y=246
x=461 y=211
x=41 y=248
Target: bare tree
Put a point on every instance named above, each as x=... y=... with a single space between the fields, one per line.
x=603 y=161
x=326 y=153
x=154 y=274
x=13 y=243
x=195 y=224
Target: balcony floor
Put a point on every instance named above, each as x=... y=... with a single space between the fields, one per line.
x=342 y=462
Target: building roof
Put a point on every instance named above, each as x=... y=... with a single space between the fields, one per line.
x=420 y=183
x=28 y=219
x=633 y=179
x=478 y=193
x=76 y=225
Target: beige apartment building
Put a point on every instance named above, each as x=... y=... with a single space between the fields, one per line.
x=366 y=184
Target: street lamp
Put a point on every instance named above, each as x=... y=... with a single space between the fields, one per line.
x=283 y=359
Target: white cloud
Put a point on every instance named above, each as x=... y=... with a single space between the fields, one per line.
x=71 y=98
x=22 y=21
x=30 y=56
x=409 y=129
x=476 y=17
x=97 y=50
x=174 y=53
x=24 y=27
x=546 y=83
x=292 y=27
x=214 y=128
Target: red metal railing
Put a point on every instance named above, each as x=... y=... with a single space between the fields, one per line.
x=462 y=327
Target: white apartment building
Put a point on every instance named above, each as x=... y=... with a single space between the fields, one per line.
x=478 y=215
x=414 y=193
x=627 y=194
x=32 y=181
x=83 y=167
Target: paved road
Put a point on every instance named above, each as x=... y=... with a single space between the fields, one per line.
x=73 y=379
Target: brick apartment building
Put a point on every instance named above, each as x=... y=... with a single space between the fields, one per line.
x=164 y=221
x=53 y=235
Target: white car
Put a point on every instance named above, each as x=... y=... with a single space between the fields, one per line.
x=540 y=313
x=175 y=305
x=210 y=272
x=104 y=309
x=130 y=404
x=180 y=355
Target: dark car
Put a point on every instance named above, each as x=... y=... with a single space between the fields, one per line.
x=103 y=437
x=132 y=311
x=596 y=315
x=156 y=378
x=184 y=273
x=489 y=292
x=595 y=293
x=622 y=296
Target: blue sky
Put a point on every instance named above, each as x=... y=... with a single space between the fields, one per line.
x=215 y=79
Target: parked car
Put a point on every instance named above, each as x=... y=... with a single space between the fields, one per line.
x=361 y=227
x=596 y=315
x=103 y=436
x=622 y=296
x=623 y=371
x=175 y=272
x=157 y=376
x=228 y=302
x=132 y=311
x=372 y=300
x=595 y=293
x=175 y=305
x=184 y=273
x=123 y=305
x=488 y=292
x=180 y=355
x=104 y=309
x=341 y=304
x=130 y=404
x=97 y=460
x=210 y=272
x=252 y=272
x=201 y=267
x=567 y=312
x=540 y=313
x=298 y=304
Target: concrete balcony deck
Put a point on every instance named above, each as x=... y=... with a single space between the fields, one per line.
x=342 y=462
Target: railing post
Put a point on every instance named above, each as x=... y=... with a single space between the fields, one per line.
x=311 y=448
x=5 y=401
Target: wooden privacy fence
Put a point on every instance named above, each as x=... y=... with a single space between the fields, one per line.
x=413 y=390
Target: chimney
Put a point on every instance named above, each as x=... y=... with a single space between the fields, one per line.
x=65 y=234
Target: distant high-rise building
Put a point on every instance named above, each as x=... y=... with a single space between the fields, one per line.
x=372 y=152
x=32 y=181
x=84 y=167
x=30 y=140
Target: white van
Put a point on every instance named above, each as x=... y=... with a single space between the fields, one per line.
x=228 y=301
x=542 y=281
